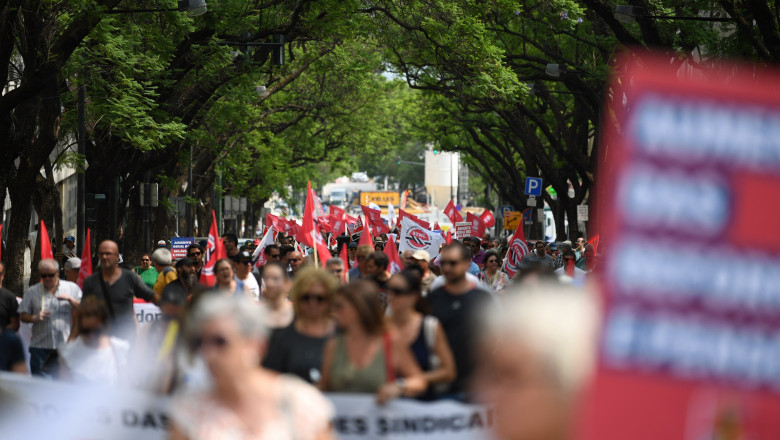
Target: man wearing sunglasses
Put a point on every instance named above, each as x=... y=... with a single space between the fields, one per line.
x=455 y=305
x=243 y=263
x=49 y=306
x=195 y=253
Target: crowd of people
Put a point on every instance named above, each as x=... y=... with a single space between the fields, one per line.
x=249 y=356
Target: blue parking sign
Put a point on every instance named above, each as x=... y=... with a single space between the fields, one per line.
x=504 y=209
x=533 y=186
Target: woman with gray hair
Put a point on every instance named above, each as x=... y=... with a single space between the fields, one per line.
x=537 y=352
x=245 y=401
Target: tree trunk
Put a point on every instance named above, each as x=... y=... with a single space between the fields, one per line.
x=21 y=193
x=46 y=200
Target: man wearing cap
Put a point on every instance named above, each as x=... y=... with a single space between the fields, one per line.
x=423 y=259
x=352 y=253
x=72 y=266
x=162 y=244
x=70 y=247
x=243 y=263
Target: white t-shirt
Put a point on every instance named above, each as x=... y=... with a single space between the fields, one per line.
x=440 y=281
x=95 y=365
x=251 y=283
x=578 y=279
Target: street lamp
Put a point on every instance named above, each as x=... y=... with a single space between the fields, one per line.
x=627 y=14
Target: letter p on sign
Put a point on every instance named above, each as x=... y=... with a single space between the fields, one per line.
x=533 y=186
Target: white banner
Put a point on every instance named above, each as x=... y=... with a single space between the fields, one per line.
x=63 y=411
x=414 y=237
x=146 y=313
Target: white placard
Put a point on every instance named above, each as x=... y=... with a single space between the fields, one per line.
x=531 y=201
x=540 y=215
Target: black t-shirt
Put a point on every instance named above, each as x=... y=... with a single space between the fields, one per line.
x=120 y=294
x=457 y=315
x=11 y=350
x=295 y=353
x=8 y=307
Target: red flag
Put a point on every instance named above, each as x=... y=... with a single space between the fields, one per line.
x=365 y=237
x=307 y=224
x=259 y=253
x=357 y=227
x=345 y=258
x=275 y=221
x=86 y=261
x=517 y=250
x=594 y=241
x=45 y=242
x=448 y=237
x=403 y=214
x=394 y=264
x=477 y=226
x=374 y=219
x=452 y=213
x=215 y=250
x=292 y=227
x=337 y=223
x=436 y=226
x=487 y=218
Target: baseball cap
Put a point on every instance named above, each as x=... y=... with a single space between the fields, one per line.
x=554 y=246
x=161 y=243
x=73 y=263
x=353 y=245
x=421 y=255
x=242 y=256
x=70 y=238
x=249 y=243
x=184 y=262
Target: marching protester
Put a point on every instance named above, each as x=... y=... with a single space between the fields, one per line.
x=539 y=256
x=423 y=259
x=336 y=267
x=376 y=268
x=230 y=241
x=365 y=357
x=162 y=260
x=243 y=265
x=362 y=253
x=226 y=281
x=186 y=282
x=94 y=356
x=245 y=401
x=536 y=354
x=422 y=334
x=295 y=259
x=277 y=286
x=117 y=287
x=147 y=273
x=298 y=348
x=455 y=305
x=9 y=306
x=195 y=253
x=72 y=266
x=49 y=306
x=491 y=276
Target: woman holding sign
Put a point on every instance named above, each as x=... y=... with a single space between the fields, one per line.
x=366 y=356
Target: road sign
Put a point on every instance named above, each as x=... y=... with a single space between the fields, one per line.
x=531 y=201
x=512 y=220
x=533 y=186
x=504 y=209
x=527 y=214
x=582 y=213
x=540 y=215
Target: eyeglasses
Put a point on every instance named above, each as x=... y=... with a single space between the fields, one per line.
x=48 y=275
x=308 y=297
x=195 y=254
x=449 y=262
x=216 y=341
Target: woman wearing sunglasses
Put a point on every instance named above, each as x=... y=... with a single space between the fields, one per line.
x=365 y=357
x=94 y=356
x=147 y=273
x=491 y=276
x=245 y=401
x=422 y=334
x=225 y=275
x=297 y=349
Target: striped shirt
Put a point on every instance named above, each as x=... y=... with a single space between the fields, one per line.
x=54 y=331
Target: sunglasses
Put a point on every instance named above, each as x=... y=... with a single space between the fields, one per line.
x=294 y=260
x=195 y=254
x=145 y=259
x=274 y=256
x=48 y=275
x=95 y=331
x=308 y=297
x=217 y=341
x=397 y=291
x=449 y=262
x=246 y=262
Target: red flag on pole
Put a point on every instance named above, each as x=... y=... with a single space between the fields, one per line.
x=436 y=226
x=477 y=226
x=86 y=261
x=337 y=223
x=345 y=258
x=517 y=250
x=394 y=264
x=452 y=213
x=487 y=218
x=45 y=242
x=448 y=237
x=374 y=219
x=307 y=224
x=215 y=250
